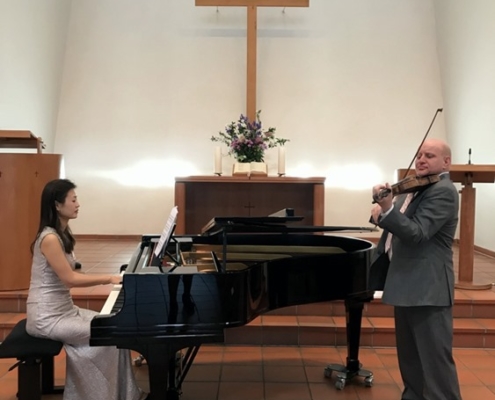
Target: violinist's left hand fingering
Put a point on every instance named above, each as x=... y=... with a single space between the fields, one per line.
x=384 y=202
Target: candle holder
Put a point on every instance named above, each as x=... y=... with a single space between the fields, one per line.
x=281 y=161
x=218 y=161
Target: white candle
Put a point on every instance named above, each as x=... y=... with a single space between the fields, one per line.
x=281 y=160
x=218 y=160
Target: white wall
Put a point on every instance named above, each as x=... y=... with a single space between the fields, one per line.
x=466 y=31
x=32 y=45
x=353 y=85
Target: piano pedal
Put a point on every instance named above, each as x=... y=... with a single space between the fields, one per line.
x=179 y=357
x=139 y=360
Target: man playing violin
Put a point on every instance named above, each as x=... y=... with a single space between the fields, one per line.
x=413 y=265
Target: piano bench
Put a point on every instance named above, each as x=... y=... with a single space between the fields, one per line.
x=35 y=362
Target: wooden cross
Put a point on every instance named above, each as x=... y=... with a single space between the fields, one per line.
x=251 y=38
x=249 y=206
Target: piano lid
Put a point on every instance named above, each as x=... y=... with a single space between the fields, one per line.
x=247 y=224
x=274 y=223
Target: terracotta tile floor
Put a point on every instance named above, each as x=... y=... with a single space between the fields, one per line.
x=282 y=372
x=292 y=373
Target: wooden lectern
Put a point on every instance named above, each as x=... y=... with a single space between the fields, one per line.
x=22 y=178
x=466 y=175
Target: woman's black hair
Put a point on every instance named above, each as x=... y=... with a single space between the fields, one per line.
x=55 y=192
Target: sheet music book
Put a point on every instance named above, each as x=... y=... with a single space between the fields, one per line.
x=167 y=231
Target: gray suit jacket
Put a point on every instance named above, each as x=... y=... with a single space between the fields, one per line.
x=421 y=272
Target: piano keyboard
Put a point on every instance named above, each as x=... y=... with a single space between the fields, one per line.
x=112 y=299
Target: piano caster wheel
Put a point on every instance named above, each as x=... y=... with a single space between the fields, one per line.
x=340 y=383
x=368 y=381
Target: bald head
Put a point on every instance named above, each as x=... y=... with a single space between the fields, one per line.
x=433 y=157
x=442 y=146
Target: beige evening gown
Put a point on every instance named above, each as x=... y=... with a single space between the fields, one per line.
x=91 y=372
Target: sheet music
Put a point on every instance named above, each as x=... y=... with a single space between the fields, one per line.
x=167 y=231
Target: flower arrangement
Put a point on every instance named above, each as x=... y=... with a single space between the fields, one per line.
x=247 y=141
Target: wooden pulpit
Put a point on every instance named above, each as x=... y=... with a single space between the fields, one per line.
x=20 y=140
x=467 y=175
x=22 y=179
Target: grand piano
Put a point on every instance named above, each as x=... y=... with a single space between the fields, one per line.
x=173 y=301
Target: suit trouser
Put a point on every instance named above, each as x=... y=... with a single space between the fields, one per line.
x=424 y=349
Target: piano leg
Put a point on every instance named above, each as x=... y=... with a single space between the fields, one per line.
x=165 y=381
x=354 y=313
x=161 y=370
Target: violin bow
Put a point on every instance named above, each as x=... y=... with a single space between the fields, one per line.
x=421 y=144
x=386 y=191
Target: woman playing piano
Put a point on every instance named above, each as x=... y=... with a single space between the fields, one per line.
x=91 y=372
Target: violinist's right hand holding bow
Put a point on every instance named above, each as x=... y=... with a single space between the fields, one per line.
x=383 y=203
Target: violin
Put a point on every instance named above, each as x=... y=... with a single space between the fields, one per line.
x=411 y=183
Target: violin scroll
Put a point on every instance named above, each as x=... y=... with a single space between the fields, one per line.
x=380 y=195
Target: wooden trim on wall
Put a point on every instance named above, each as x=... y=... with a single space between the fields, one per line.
x=108 y=237
x=372 y=239
x=479 y=249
